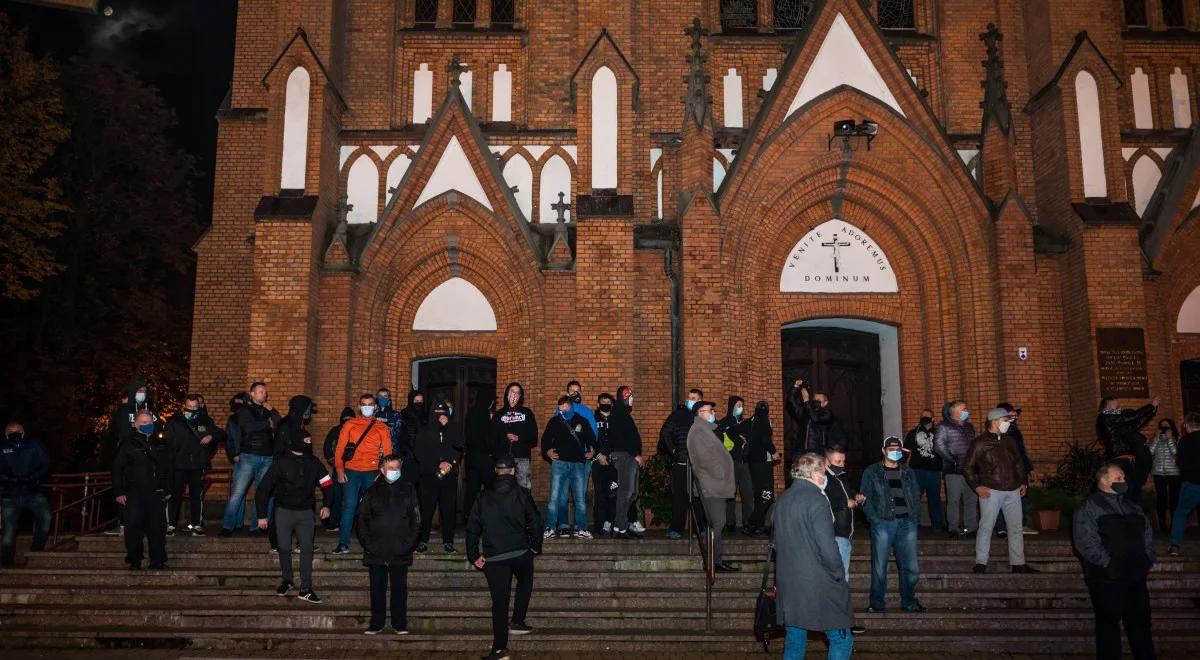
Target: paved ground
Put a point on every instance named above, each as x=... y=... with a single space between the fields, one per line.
x=776 y=651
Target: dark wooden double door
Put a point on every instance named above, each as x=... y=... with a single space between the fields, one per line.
x=845 y=365
x=466 y=383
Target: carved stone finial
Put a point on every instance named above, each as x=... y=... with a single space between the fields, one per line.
x=456 y=68
x=697 y=101
x=995 y=89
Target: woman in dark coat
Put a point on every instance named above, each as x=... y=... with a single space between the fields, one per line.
x=811 y=580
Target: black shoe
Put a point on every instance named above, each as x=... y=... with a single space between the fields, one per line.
x=159 y=567
x=501 y=654
x=284 y=588
x=876 y=610
x=252 y=532
x=980 y=568
x=171 y=531
x=1024 y=568
x=857 y=629
x=422 y=548
x=449 y=548
x=519 y=629
x=952 y=535
x=916 y=608
x=562 y=533
x=135 y=566
x=225 y=533
x=726 y=567
x=747 y=532
x=311 y=597
x=341 y=550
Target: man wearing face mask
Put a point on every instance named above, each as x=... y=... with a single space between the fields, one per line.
x=761 y=456
x=892 y=503
x=1120 y=433
x=438 y=452
x=1115 y=541
x=290 y=482
x=712 y=476
x=604 y=475
x=392 y=418
x=414 y=418
x=388 y=526
x=140 y=485
x=951 y=441
x=256 y=423
x=626 y=443
x=120 y=424
x=327 y=451
x=575 y=393
x=569 y=445
x=732 y=429
x=363 y=441
x=927 y=466
x=191 y=444
x=672 y=444
x=515 y=433
x=24 y=463
x=995 y=471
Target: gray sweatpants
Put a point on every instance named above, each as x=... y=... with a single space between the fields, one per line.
x=1008 y=502
x=627 y=485
x=958 y=491
x=745 y=489
x=302 y=523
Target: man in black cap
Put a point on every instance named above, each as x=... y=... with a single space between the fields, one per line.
x=506 y=522
x=892 y=504
x=438 y=449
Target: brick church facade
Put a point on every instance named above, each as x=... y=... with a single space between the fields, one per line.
x=668 y=195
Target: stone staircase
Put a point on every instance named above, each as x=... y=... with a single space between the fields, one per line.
x=590 y=596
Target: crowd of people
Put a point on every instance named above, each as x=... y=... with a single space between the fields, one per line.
x=386 y=472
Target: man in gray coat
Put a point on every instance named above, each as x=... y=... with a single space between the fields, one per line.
x=809 y=575
x=712 y=473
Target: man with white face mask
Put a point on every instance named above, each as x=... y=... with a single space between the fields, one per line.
x=995 y=471
x=388 y=524
x=712 y=475
x=892 y=504
x=362 y=443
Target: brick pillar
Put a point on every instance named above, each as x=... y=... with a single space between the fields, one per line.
x=703 y=352
x=280 y=307
x=604 y=301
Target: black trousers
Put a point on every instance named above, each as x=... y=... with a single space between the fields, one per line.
x=145 y=518
x=194 y=480
x=442 y=494
x=500 y=576
x=479 y=472
x=1136 y=473
x=679 y=497
x=1166 y=498
x=1115 y=604
x=381 y=576
x=604 y=497
x=762 y=476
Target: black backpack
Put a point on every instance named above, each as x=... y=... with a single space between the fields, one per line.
x=766 y=627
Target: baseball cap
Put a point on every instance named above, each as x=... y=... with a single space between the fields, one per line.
x=505 y=463
x=892 y=441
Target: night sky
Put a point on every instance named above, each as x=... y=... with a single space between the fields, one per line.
x=182 y=47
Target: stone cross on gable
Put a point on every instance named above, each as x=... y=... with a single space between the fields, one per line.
x=695 y=32
x=455 y=68
x=561 y=207
x=344 y=208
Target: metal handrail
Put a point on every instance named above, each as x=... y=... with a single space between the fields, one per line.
x=708 y=551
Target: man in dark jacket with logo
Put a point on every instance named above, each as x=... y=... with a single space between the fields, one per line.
x=672 y=444
x=327 y=450
x=137 y=399
x=843 y=500
x=388 y=524
x=568 y=443
x=256 y=422
x=604 y=475
x=1114 y=538
x=291 y=481
x=892 y=505
x=24 y=463
x=625 y=442
x=761 y=456
x=507 y=524
x=732 y=430
x=191 y=439
x=997 y=475
x=951 y=441
x=927 y=466
x=515 y=432
x=809 y=574
x=142 y=484
x=438 y=452
x=1119 y=430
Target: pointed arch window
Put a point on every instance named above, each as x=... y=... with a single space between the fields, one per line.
x=294 y=158
x=425 y=13
x=896 y=15
x=792 y=14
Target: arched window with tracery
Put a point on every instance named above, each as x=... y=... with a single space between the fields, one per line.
x=791 y=14
x=896 y=15
x=738 y=14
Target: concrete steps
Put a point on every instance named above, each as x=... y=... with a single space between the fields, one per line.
x=597 y=596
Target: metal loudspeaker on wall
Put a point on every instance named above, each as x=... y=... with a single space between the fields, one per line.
x=837 y=257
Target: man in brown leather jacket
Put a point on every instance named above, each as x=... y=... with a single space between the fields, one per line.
x=995 y=470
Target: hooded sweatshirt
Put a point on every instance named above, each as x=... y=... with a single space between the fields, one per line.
x=623 y=434
x=414 y=418
x=183 y=440
x=122 y=418
x=435 y=444
x=732 y=431
x=331 y=438
x=517 y=420
x=292 y=427
x=292 y=478
x=760 y=444
x=233 y=433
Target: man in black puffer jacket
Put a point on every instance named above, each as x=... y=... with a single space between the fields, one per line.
x=506 y=522
x=388 y=524
x=191 y=439
x=438 y=451
x=672 y=445
x=1124 y=444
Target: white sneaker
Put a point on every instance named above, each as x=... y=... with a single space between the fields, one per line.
x=637 y=527
x=1029 y=531
x=607 y=527
x=548 y=534
x=119 y=530
x=582 y=534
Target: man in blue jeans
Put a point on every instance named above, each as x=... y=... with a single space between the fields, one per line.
x=812 y=593
x=256 y=423
x=892 y=506
x=24 y=462
x=1188 y=459
x=569 y=444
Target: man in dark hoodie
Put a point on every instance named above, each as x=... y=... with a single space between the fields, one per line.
x=926 y=465
x=292 y=430
x=732 y=430
x=438 y=452
x=672 y=444
x=414 y=418
x=256 y=423
x=515 y=432
x=190 y=440
x=388 y=524
x=394 y=419
x=142 y=486
x=761 y=456
x=331 y=440
x=506 y=522
x=480 y=462
x=568 y=443
x=290 y=482
x=625 y=442
x=604 y=475
x=24 y=463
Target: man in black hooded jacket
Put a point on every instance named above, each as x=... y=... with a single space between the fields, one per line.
x=625 y=442
x=292 y=433
x=142 y=484
x=732 y=430
x=414 y=418
x=761 y=456
x=515 y=432
x=330 y=446
x=191 y=439
x=1124 y=444
x=136 y=399
x=438 y=451
x=672 y=444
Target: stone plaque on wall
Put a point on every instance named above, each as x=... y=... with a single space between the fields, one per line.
x=1121 y=361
